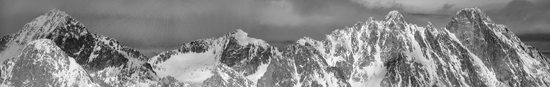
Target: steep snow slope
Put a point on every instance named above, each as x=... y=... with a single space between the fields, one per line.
x=42 y=63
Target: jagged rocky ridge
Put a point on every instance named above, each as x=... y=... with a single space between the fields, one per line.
x=470 y=51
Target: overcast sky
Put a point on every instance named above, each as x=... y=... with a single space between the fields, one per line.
x=168 y=23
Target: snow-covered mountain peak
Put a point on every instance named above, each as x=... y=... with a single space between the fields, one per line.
x=305 y=41
x=48 y=21
x=393 y=21
x=242 y=39
x=239 y=33
x=394 y=16
x=53 y=16
x=471 y=15
x=246 y=57
x=53 y=23
x=471 y=26
x=57 y=12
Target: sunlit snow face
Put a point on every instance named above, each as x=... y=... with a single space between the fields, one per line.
x=189 y=67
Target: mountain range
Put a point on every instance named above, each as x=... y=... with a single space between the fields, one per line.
x=56 y=50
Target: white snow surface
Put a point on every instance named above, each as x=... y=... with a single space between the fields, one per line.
x=243 y=39
x=189 y=67
x=11 y=51
x=258 y=74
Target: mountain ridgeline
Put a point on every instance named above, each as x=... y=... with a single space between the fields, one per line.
x=56 y=50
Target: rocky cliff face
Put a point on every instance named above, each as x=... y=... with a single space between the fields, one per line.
x=470 y=51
